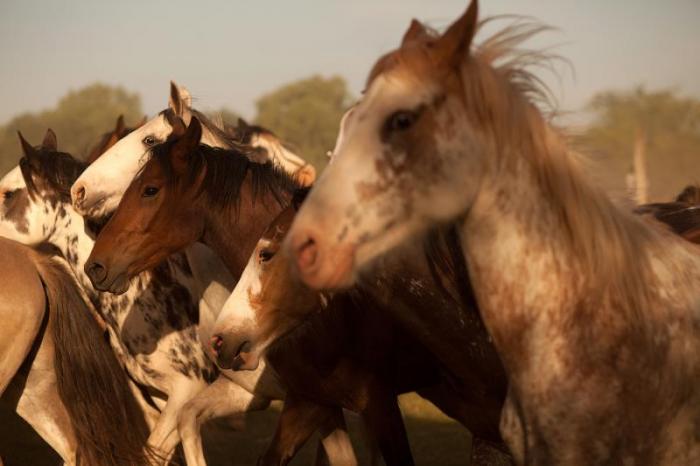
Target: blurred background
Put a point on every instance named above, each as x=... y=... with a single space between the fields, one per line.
x=75 y=65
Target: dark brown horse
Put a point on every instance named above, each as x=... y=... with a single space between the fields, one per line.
x=682 y=215
x=193 y=194
x=110 y=138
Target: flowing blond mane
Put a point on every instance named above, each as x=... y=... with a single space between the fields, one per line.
x=608 y=244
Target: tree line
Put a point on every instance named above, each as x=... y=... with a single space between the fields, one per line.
x=306 y=114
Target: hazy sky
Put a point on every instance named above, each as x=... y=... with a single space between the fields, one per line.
x=230 y=52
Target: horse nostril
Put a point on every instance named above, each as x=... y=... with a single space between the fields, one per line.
x=306 y=253
x=216 y=343
x=96 y=271
x=79 y=194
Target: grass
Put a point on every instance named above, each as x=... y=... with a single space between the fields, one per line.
x=435 y=439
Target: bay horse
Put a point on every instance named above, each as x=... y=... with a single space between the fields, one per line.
x=97 y=192
x=57 y=370
x=593 y=311
x=110 y=138
x=155 y=326
x=222 y=200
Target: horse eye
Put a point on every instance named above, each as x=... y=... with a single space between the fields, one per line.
x=149 y=141
x=150 y=191
x=401 y=120
x=265 y=255
x=8 y=195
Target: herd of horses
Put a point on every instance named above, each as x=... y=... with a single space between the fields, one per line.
x=190 y=270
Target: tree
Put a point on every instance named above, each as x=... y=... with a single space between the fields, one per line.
x=79 y=119
x=306 y=113
x=669 y=127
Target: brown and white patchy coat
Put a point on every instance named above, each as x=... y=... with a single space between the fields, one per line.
x=595 y=313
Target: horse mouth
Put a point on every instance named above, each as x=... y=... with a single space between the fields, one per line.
x=118 y=285
x=244 y=359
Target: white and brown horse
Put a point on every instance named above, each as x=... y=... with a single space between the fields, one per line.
x=594 y=312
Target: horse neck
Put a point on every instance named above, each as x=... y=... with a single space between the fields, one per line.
x=232 y=231
x=536 y=252
x=69 y=236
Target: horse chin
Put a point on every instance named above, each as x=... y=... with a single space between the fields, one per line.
x=118 y=285
x=246 y=361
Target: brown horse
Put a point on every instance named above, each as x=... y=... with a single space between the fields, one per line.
x=58 y=370
x=593 y=311
x=362 y=358
x=204 y=195
x=682 y=215
x=110 y=138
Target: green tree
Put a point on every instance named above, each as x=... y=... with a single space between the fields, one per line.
x=306 y=113
x=79 y=119
x=670 y=127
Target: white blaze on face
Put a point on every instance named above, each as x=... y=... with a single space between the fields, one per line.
x=105 y=181
x=21 y=218
x=238 y=312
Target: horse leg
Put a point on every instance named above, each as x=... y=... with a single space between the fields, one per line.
x=22 y=318
x=383 y=419
x=335 y=442
x=298 y=420
x=222 y=398
x=41 y=406
x=164 y=437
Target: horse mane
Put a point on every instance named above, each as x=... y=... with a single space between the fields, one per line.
x=504 y=96
x=446 y=261
x=225 y=172
x=57 y=170
x=230 y=140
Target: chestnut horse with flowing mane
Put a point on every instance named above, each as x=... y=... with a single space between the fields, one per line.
x=222 y=199
x=58 y=371
x=593 y=311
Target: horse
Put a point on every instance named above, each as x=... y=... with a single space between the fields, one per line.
x=363 y=358
x=258 y=136
x=205 y=195
x=58 y=372
x=593 y=311
x=110 y=138
x=154 y=326
x=98 y=190
x=682 y=214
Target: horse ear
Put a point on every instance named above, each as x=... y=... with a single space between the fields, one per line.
x=50 y=141
x=119 y=127
x=415 y=31
x=452 y=45
x=185 y=145
x=180 y=101
x=27 y=148
x=178 y=125
x=242 y=124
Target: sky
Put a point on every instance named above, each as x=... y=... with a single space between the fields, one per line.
x=228 y=53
